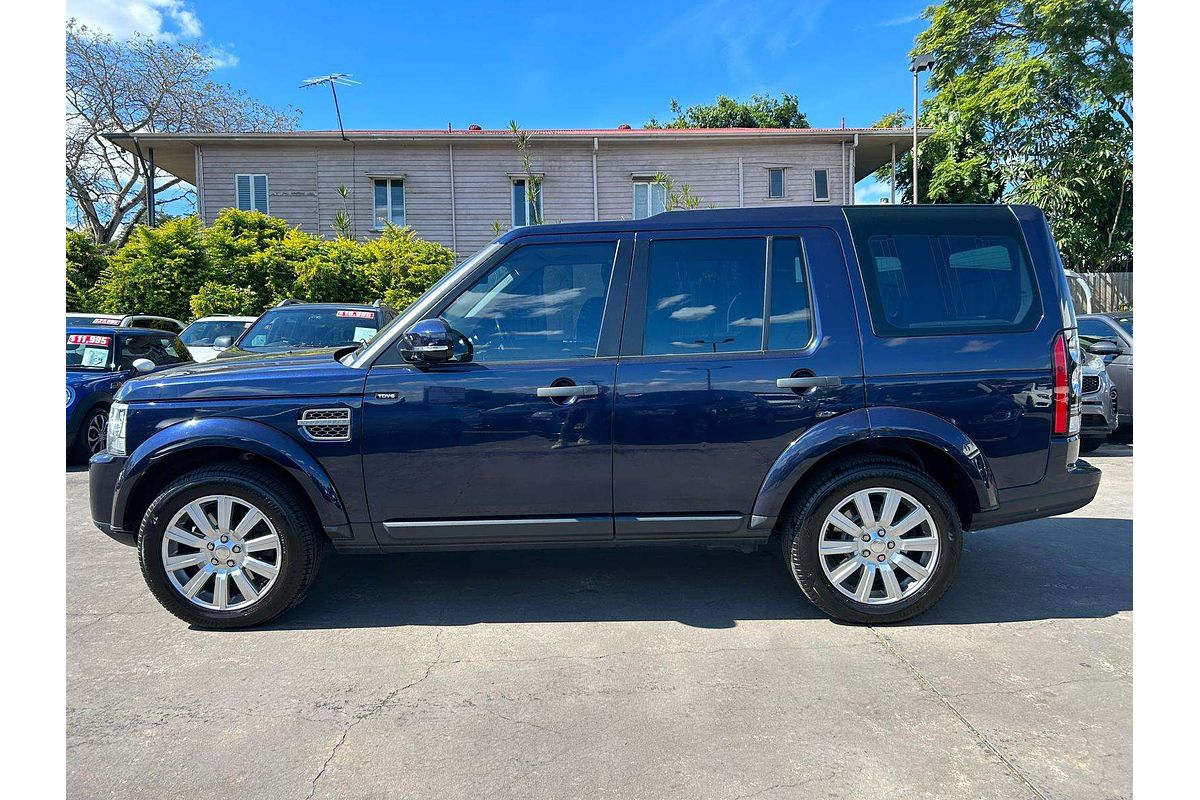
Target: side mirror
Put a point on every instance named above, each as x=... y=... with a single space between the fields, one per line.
x=1104 y=348
x=222 y=342
x=143 y=365
x=430 y=341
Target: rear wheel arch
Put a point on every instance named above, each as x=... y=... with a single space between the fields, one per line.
x=934 y=462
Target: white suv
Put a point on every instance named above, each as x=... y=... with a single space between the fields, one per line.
x=200 y=334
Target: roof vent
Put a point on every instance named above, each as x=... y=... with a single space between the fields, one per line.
x=474 y=128
x=624 y=127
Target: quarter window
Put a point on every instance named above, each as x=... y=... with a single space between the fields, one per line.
x=389 y=202
x=526 y=210
x=790 y=326
x=649 y=198
x=949 y=284
x=252 y=193
x=775 y=185
x=544 y=301
x=704 y=295
x=820 y=185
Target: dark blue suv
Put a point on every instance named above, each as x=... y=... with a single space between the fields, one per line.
x=99 y=360
x=857 y=385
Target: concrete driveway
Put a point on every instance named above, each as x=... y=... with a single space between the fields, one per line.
x=615 y=674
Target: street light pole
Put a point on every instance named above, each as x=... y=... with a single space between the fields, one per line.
x=914 y=158
x=917 y=65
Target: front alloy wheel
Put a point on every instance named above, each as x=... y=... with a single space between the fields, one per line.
x=229 y=546
x=221 y=553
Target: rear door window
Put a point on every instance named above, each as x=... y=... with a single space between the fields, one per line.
x=704 y=296
x=791 y=325
x=944 y=271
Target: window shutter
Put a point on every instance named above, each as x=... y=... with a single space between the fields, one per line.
x=244 y=202
x=260 y=194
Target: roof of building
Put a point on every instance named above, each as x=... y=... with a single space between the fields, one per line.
x=175 y=152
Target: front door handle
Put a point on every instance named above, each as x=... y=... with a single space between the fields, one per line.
x=586 y=390
x=807 y=382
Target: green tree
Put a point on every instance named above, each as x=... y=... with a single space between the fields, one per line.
x=238 y=243
x=763 y=111
x=86 y=262
x=157 y=271
x=334 y=274
x=400 y=265
x=221 y=298
x=1033 y=101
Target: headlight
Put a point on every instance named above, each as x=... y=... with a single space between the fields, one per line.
x=116 y=428
x=70 y=396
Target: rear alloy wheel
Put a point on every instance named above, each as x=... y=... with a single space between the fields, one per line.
x=229 y=546
x=878 y=541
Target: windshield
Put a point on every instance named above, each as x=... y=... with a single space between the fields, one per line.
x=201 y=334
x=1125 y=321
x=88 y=351
x=299 y=327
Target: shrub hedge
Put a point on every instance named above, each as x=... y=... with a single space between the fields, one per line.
x=245 y=263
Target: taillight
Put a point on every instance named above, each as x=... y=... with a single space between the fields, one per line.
x=1067 y=377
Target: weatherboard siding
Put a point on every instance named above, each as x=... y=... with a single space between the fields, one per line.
x=304 y=180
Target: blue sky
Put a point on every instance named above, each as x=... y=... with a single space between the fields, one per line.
x=566 y=64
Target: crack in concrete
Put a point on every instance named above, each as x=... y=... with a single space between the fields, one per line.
x=980 y=737
x=373 y=711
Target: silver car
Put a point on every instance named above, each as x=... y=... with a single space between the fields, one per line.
x=1100 y=398
x=1115 y=327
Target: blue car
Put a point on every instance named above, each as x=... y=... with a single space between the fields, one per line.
x=99 y=361
x=852 y=387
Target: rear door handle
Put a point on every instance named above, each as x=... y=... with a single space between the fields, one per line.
x=586 y=390
x=807 y=382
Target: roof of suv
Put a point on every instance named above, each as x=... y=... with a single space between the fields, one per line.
x=731 y=218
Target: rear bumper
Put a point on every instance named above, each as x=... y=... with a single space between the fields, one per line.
x=1060 y=491
x=104 y=472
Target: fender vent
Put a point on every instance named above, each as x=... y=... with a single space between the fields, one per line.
x=1091 y=383
x=326 y=424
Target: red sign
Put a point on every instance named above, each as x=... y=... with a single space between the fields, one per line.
x=88 y=338
x=345 y=312
x=106 y=321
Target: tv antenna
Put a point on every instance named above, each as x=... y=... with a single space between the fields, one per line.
x=333 y=80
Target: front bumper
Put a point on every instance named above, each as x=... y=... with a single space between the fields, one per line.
x=1099 y=412
x=104 y=474
x=1060 y=491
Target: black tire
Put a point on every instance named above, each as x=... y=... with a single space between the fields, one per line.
x=802 y=530
x=81 y=448
x=1089 y=444
x=301 y=543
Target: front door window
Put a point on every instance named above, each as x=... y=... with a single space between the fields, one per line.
x=542 y=302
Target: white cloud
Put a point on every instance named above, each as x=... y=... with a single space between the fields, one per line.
x=159 y=19
x=673 y=300
x=905 y=20
x=693 y=313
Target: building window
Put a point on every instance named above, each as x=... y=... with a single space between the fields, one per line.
x=389 y=202
x=820 y=185
x=775 y=183
x=649 y=198
x=252 y=193
x=526 y=210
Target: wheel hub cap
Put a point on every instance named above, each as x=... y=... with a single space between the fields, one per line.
x=878 y=546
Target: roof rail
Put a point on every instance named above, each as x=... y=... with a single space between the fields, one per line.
x=287 y=301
